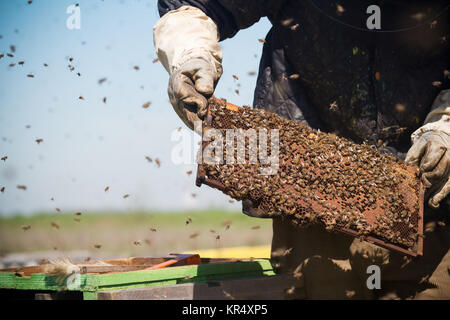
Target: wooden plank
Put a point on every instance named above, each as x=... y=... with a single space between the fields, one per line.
x=262 y=288
x=258 y=267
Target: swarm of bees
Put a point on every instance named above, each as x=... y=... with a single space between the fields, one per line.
x=321 y=179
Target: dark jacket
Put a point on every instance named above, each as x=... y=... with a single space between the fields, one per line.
x=363 y=85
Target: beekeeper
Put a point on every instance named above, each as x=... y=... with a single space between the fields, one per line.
x=390 y=89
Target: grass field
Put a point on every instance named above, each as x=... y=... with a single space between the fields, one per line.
x=130 y=234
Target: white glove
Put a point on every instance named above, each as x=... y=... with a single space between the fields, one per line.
x=431 y=150
x=187 y=44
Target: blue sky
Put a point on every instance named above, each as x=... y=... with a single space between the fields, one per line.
x=89 y=145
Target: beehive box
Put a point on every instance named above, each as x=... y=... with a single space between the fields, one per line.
x=212 y=279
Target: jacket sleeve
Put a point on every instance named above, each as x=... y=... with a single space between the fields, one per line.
x=229 y=15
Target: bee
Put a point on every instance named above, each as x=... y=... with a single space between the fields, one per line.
x=136 y=68
x=58 y=209
x=155 y=60
x=101 y=80
x=146 y=105
x=12 y=65
x=77 y=219
x=188 y=220
x=194 y=235
x=1 y=56
x=193 y=195
x=126 y=196
x=436 y=83
x=77 y=213
x=251 y=73
x=255 y=227
x=10 y=55
x=2 y=189
x=39 y=141
x=433 y=24
x=235 y=77
x=236 y=91
x=81 y=97
x=30 y=75
x=71 y=59
x=189 y=172
x=339 y=9
x=25 y=228
x=333 y=106
x=294 y=27
x=148 y=241
x=107 y=189
x=230 y=201
x=97 y=246
x=104 y=100
x=137 y=243
x=55 y=225
x=4 y=158
x=153 y=230
x=78 y=74
x=294 y=76
x=262 y=40
x=158 y=163
x=179 y=129
x=21 y=187
x=149 y=159
x=45 y=65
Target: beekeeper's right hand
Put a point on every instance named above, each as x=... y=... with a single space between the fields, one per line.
x=187 y=44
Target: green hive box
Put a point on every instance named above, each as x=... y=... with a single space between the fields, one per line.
x=113 y=276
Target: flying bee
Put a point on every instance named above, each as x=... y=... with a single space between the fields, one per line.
x=77 y=219
x=2 y=189
x=137 y=243
x=136 y=68
x=126 y=196
x=39 y=141
x=189 y=172
x=55 y=225
x=262 y=40
x=30 y=75
x=158 y=163
x=21 y=187
x=188 y=220
x=4 y=158
x=81 y=97
x=235 y=77
x=436 y=83
x=106 y=189
x=58 y=209
x=153 y=230
x=194 y=235
x=149 y=159
x=25 y=228
x=255 y=227
x=104 y=100
x=146 y=105
x=101 y=80
x=10 y=55
x=97 y=246
x=155 y=60
x=77 y=213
